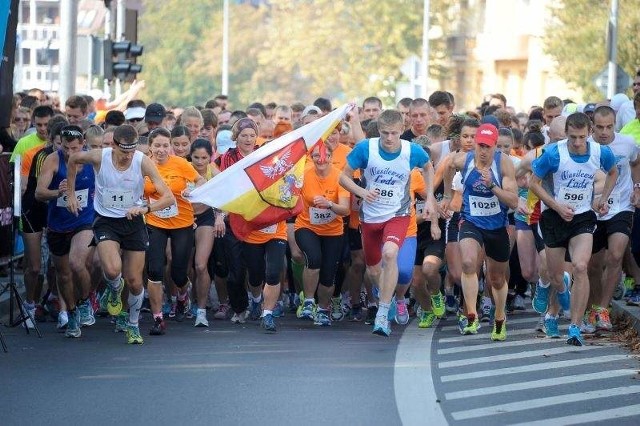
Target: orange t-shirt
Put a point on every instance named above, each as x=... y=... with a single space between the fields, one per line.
x=339 y=156
x=27 y=160
x=321 y=221
x=176 y=173
x=415 y=185
x=354 y=216
x=264 y=235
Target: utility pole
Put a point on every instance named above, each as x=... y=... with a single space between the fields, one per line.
x=108 y=32
x=612 y=49
x=120 y=29
x=225 y=47
x=68 y=42
x=424 y=64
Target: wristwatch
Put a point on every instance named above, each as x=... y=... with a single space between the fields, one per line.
x=330 y=205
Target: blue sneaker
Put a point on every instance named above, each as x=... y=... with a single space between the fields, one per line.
x=551 y=328
x=451 y=304
x=308 y=310
x=255 y=310
x=540 y=300
x=268 y=323
x=322 y=318
x=574 y=336
x=393 y=309
x=634 y=297
x=73 y=326
x=463 y=322
x=278 y=311
x=564 y=298
x=381 y=326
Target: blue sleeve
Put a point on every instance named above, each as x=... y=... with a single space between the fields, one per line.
x=547 y=163
x=607 y=159
x=358 y=158
x=418 y=156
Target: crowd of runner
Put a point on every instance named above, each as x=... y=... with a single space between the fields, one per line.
x=421 y=210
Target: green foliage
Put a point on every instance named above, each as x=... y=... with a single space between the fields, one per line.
x=576 y=39
x=292 y=50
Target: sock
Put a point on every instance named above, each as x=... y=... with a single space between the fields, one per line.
x=256 y=299
x=115 y=283
x=297 y=269
x=135 y=303
x=383 y=309
x=267 y=312
x=543 y=284
x=310 y=300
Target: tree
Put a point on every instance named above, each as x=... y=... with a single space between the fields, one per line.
x=576 y=40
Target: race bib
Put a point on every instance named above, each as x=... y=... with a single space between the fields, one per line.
x=614 y=201
x=270 y=229
x=82 y=196
x=320 y=216
x=577 y=198
x=388 y=195
x=419 y=207
x=117 y=198
x=481 y=206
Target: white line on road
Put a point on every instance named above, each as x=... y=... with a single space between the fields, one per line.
x=495 y=345
x=530 y=404
x=533 y=384
x=542 y=366
x=415 y=394
x=483 y=335
x=604 y=415
x=518 y=355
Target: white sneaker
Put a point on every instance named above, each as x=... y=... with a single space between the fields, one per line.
x=240 y=318
x=63 y=320
x=518 y=303
x=201 y=319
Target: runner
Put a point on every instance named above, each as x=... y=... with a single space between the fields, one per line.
x=119 y=223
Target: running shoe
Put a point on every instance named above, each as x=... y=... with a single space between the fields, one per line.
x=268 y=323
x=114 y=302
x=551 y=328
x=201 y=319
x=181 y=305
x=104 y=299
x=31 y=311
x=485 y=313
x=381 y=326
x=437 y=304
x=574 y=337
x=300 y=305
x=401 y=314
x=472 y=327
x=426 y=319
x=159 y=327
x=356 y=314
x=518 y=303
x=540 y=324
x=451 y=304
x=603 y=321
x=133 y=335
x=336 y=309
x=586 y=326
x=499 y=332
x=278 y=310
x=634 y=298
x=52 y=306
x=308 y=310
x=255 y=310
x=322 y=318
x=372 y=311
x=40 y=314
x=87 y=318
x=463 y=322
x=121 y=322
x=240 y=318
x=564 y=298
x=540 y=300
x=223 y=312
x=63 y=320
x=73 y=326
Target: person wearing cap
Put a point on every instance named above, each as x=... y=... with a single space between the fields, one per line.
x=386 y=163
x=68 y=235
x=134 y=115
x=568 y=222
x=154 y=115
x=119 y=224
x=309 y=114
x=489 y=190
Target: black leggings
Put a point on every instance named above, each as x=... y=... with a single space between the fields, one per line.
x=264 y=261
x=181 y=246
x=321 y=252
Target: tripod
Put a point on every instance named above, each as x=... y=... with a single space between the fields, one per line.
x=11 y=287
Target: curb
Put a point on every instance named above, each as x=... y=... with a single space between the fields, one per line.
x=620 y=308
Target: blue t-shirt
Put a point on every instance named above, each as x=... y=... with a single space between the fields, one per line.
x=358 y=158
x=549 y=161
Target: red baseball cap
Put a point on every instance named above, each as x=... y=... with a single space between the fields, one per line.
x=487 y=134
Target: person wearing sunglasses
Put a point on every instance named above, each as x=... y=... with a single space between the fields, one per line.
x=69 y=235
x=119 y=225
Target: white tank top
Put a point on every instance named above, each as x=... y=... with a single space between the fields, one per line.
x=117 y=191
x=625 y=150
x=573 y=182
x=390 y=179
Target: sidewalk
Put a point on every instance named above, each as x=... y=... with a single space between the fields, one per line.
x=620 y=308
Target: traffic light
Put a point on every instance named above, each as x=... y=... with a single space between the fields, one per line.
x=120 y=59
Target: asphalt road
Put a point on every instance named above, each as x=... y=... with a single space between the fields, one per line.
x=237 y=375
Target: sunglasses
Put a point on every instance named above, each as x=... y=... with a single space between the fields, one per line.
x=135 y=120
x=636 y=83
x=71 y=134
